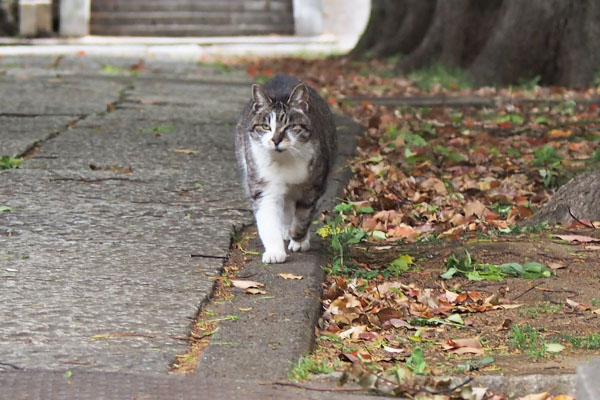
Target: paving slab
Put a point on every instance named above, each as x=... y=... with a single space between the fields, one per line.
x=95 y=255
x=21 y=133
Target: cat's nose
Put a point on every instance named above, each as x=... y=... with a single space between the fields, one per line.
x=276 y=140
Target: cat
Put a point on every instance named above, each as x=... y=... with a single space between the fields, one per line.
x=285 y=145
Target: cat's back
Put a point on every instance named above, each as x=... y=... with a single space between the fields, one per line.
x=280 y=87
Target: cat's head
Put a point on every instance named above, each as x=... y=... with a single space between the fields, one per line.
x=280 y=126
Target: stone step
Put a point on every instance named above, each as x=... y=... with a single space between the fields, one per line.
x=190 y=30
x=127 y=18
x=192 y=5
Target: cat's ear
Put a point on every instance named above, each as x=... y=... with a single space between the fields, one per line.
x=260 y=97
x=299 y=97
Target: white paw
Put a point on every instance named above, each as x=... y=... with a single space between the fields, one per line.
x=285 y=233
x=304 y=245
x=274 y=257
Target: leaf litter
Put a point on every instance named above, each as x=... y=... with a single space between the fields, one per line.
x=432 y=183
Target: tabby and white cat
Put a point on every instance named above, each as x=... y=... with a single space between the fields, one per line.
x=285 y=144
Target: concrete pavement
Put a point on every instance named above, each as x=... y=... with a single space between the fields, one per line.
x=106 y=214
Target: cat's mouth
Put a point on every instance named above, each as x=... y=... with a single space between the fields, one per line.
x=277 y=149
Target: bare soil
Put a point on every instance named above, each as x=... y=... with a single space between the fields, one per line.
x=543 y=302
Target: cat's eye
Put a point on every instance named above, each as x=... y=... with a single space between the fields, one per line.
x=266 y=127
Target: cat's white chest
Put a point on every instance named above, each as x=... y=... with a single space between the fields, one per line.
x=282 y=168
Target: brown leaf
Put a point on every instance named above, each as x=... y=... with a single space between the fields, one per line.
x=368 y=336
x=393 y=350
x=475 y=207
x=463 y=346
x=555 y=265
x=389 y=313
x=369 y=224
x=186 y=151
x=403 y=231
x=434 y=184
x=255 y=291
x=576 y=305
x=374 y=121
x=506 y=324
x=559 y=133
x=578 y=238
x=241 y=284
x=290 y=276
x=397 y=323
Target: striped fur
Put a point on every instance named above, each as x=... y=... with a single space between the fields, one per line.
x=285 y=145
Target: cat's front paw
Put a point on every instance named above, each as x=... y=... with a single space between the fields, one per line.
x=274 y=256
x=303 y=245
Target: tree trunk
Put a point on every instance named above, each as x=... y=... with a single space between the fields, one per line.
x=381 y=12
x=407 y=28
x=495 y=41
x=581 y=195
x=532 y=38
x=458 y=32
x=8 y=23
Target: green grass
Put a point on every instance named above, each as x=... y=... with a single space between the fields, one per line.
x=8 y=162
x=161 y=129
x=540 y=308
x=416 y=362
x=437 y=74
x=308 y=366
x=550 y=163
x=112 y=70
x=528 y=340
x=590 y=342
x=339 y=237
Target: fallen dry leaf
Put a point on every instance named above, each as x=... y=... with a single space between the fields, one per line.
x=463 y=346
x=578 y=238
x=555 y=265
x=186 y=151
x=290 y=276
x=559 y=133
x=241 y=284
x=576 y=305
x=255 y=291
x=393 y=350
x=476 y=208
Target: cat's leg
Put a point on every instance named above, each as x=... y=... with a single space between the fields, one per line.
x=288 y=216
x=269 y=217
x=299 y=230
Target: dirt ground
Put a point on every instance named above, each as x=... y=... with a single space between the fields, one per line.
x=561 y=305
